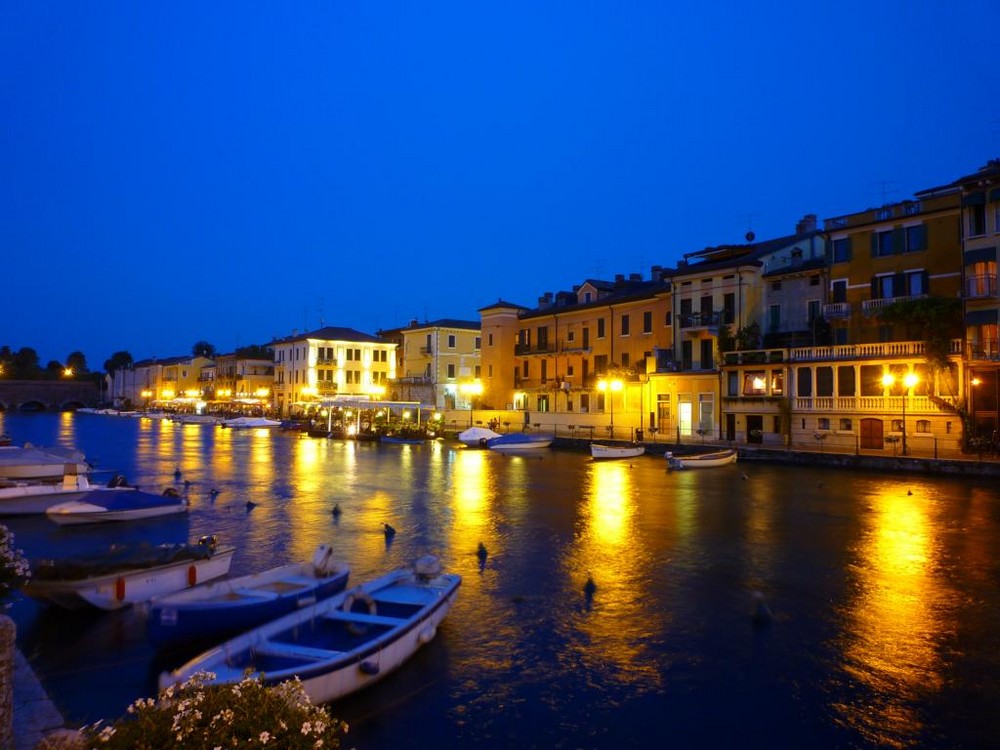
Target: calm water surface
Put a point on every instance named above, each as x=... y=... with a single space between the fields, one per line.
x=883 y=590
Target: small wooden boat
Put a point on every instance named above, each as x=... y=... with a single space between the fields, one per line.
x=401 y=440
x=342 y=644
x=126 y=574
x=598 y=451
x=520 y=442
x=234 y=605
x=477 y=437
x=103 y=505
x=701 y=460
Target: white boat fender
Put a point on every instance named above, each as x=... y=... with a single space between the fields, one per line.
x=359 y=595
x=369 y=667
x=427 y=634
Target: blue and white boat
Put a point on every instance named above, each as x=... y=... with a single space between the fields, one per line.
x=520 y=442
x=102 y=505
x=216 y=610
x=339 y=645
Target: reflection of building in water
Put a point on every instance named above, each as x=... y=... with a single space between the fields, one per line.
x=894 y=626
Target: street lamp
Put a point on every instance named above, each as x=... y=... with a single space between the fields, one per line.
x=909 y=380
x=471 y=390
x=609 y=387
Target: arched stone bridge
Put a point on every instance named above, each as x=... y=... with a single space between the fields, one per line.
x=47 y=395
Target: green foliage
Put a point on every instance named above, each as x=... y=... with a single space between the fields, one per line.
x=934 y=320
x=255 y=351
x=14 y=568
x=25 y=364
x=78 y=362
x=748 y=337
x=118 y=361
x=201 y=716
x=203 y=349
x=727 y=342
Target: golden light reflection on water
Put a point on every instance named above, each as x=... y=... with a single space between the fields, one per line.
x=610 y=550
x=897 y=620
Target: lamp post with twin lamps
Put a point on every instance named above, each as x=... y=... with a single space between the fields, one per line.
x=609 y=387
x=909 y=380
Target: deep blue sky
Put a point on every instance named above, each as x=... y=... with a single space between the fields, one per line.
x=235 y=171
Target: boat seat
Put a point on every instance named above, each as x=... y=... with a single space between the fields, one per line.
x=362 y=618
x=255 y=593
x=279 y=648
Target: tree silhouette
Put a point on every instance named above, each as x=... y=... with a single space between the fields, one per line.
x=78 y=363
x=203 y=349
x=118 y=361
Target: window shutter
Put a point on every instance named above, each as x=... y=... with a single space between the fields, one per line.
x=874 y=248
x=925 y=281
x=898 y=241
x=899 y=285
x=875 y=287
x=920 y=237
x=850 y=247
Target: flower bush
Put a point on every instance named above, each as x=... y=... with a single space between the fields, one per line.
x=200 y=716
x=14 y=568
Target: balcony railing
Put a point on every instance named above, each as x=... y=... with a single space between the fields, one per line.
x=983 y=285
x=891 y=406
x=873 y=306
x=884 y=350
x=326 y=386
x=522 y=349
x=837 y=310
x=427 y=350
x=988 y=350
x=704 y=320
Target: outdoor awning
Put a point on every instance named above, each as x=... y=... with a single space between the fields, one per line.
x=980 y=317
x=974 y=199
x=980 y=255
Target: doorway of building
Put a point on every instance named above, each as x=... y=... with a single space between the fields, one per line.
x=871 y=434
x=730 y=427
x=755 y=428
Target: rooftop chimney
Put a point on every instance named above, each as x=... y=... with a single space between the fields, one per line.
x=806 y=224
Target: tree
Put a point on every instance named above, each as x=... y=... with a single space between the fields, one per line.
x=934 y=320
x=203 y=349
x=255 y=351
x=6 y=361
x=54 y=370
x=77 y=363
x=26 y=365
x=119 y=361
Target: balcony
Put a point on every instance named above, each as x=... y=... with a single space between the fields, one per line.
x=754 y=357
x=326 y=386
x=837 y=310
x=541 y=348
x=874 y=306
x=984 y=351
x=884 y=350
x=890 y=406
x=427 y=350
x=700 y=321
x=982 y=286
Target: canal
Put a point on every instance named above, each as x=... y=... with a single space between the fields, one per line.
x=882 y=589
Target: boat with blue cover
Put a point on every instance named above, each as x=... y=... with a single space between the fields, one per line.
x=520 y=442
x=102 y=505
x=216 y=610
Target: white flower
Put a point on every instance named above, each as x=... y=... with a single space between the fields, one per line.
x=264 y=737
x=306 y=728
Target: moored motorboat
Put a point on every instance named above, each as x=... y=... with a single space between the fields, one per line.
x=701 y=460
x=234 y=605
x=102 y=505
x=127 y=574
x=36 y=463
x=250 y=423
x=339 y=645
x=35 y=498
x=477 y=437
x=599 y=451
x=520 y=442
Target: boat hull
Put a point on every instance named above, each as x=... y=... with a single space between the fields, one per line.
x=216 y=610
x=43 y=464
x=601 y=452
x=703 y=461
x=103 y=506
x=332 y=652
x=126 y=587
x=520 y=442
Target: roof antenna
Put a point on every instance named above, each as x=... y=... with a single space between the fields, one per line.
x=322 y=322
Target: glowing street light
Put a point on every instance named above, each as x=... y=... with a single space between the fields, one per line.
x=609 y=387
x=909 y=380
x=471 y=390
